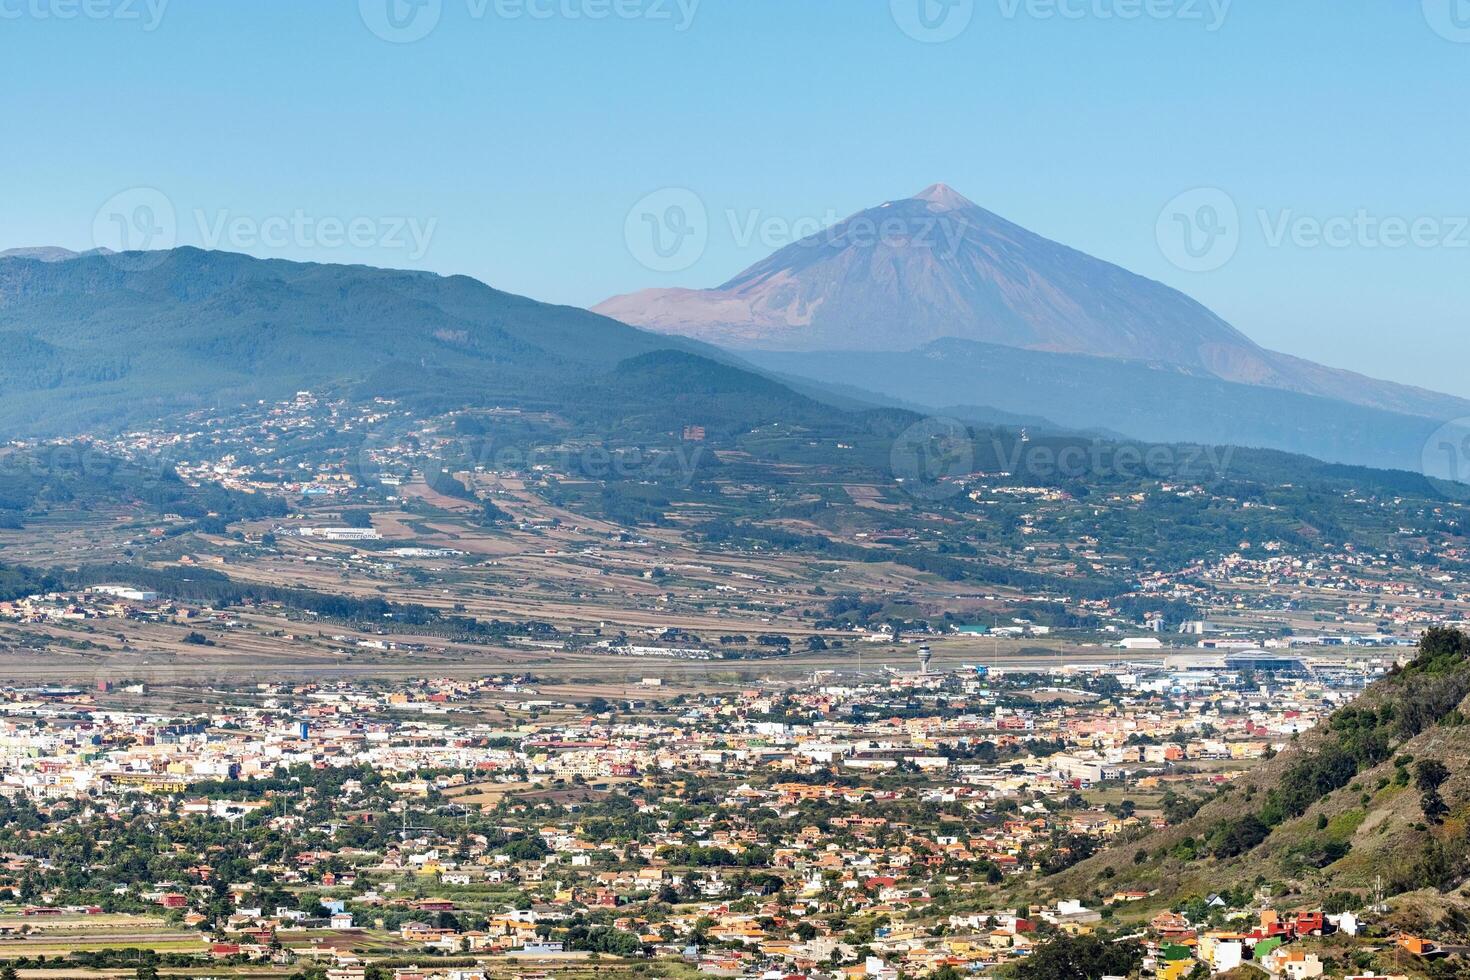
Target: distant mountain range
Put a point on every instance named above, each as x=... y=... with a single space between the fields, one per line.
x=967 y=380
x=100 y=341
x=50 y=253
x=988 y=313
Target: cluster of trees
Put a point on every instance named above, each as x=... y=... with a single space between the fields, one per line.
x=1080 y=958
x=604 y=939
x=700 y=856
x=17 y=581
x=1067 y=850
x=633 y=504
x=1360 y=740
x=442 y=482
x=1173 y=611
x=1429 y=776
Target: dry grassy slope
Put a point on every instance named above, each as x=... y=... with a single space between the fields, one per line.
x=1243 y=973
x=1384 y=826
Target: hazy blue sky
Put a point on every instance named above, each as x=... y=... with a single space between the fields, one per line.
x=511 y=141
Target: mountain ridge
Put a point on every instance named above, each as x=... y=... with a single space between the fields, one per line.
x=1081 y=391
x=947 y=268
x=50 y=253
x=99 y=340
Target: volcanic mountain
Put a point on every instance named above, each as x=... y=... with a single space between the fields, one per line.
x=975 y=303
x=909 y=272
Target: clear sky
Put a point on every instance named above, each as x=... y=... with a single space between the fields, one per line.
x=1326 y=139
